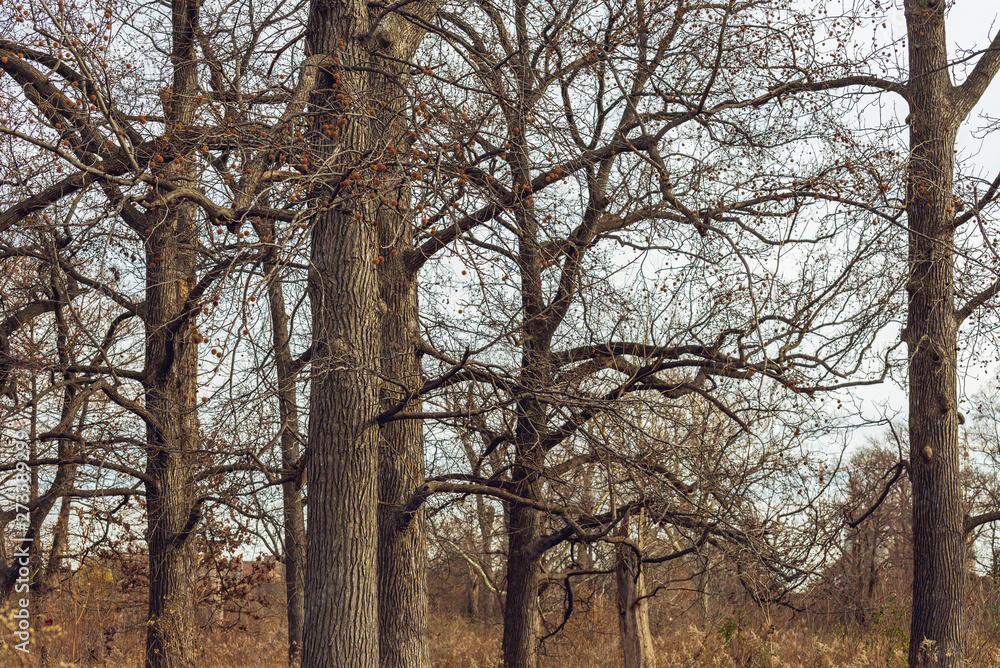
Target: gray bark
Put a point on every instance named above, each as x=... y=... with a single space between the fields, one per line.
x=171 y=386
x=633 y=606
x=937 y=107
x=341 y=596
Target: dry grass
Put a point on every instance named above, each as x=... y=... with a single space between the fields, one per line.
x=588 y=641
x=593 y=643
x=101 y=634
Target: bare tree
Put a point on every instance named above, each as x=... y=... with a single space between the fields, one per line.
x=561 y=152
x=633 y=600
x=936 y=310
x=148 y=189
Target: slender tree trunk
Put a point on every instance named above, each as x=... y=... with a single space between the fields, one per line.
x=44 y=577
x=295 y=544
x=60 y=539
x=485 y=514
x=40 y=505
x=473 y=586
x=292 y=508
x=521 y=614
x=633 y=608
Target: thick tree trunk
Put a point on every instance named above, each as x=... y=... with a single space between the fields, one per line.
x=938 y=623
x=171 y=625
x=633 y=608
x=520 y=618
x=172 y=441
x=171 y=388
x=404 y=641
x=342 y=29
x=341 y=596
x=171 y=385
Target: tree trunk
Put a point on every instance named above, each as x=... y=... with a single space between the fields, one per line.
x=520 y=618
x=171 y=562
x=341 y=596
x=472 y=588
x=172 y=440
x=633 y=608
x=404 y=641
x=342 y=29
x=341 y=593
x=171 y=385
x=937 y=635
x=288 y=413
x=295 y=543
x=485 y=515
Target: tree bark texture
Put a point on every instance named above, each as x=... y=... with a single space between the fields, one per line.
x=171 y=386
x=404 y=640
x=172 y=441
x=369 y=322
x=341 y=597
x=521 y=620
x=633 y=607
x=521 y=613
x=402 y=559
x=938 y=622
x=341 y=593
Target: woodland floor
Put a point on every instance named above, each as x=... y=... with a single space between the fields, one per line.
x=589 y=641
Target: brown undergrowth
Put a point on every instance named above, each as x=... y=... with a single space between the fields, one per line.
x=102 y=628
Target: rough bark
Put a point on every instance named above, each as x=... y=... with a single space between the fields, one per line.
x=171 y=385
x=292 y=508
x=170 y=389
x=938 y=621
x=937 y=108
x=341 y=597
x=521 y=614
x=521 y=620
x=402 y=559
x=383 y=49
x=341 y=594
x=404 y=640
x=633 y=608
